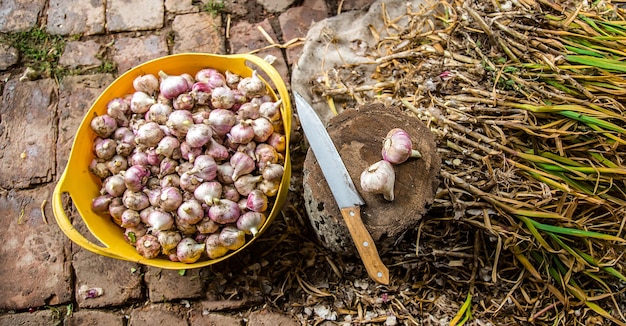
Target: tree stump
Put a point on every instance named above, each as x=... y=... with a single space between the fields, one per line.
x=358 y=135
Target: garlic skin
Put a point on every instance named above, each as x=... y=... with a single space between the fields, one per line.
x=379 y=178
x=397 y=147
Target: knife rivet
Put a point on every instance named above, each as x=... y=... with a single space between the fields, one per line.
x=380 y=274
x=351 y=213
x=365 y=244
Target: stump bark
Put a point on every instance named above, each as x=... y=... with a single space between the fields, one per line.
x=358 y=135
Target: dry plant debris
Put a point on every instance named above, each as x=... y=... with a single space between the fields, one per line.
x=527 y=100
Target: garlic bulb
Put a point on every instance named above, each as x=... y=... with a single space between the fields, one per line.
x=379 y=178
x=148 y=246
x=250 y=222
x=397 y=147
x=146 y=83
x=214 y=248
x=252 y=86
x=232 y=238
x=189 y=251
x=168 y=240
x=172 y=86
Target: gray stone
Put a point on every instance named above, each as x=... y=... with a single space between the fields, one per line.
x=76 y=95
x=129 y=52
x=124 y=15
x=295 y=23
x=27 y=133
x=180 y=6
x=246 y=37
x=156 y=314
x=76 y=17
x=34 y=254
x=200 y=32
x=79 y=54
x=119 y=280
x=348 y=5
x=166 y=285
x=43 y=317
x=213 y=319
x=8 y=56
x=268 y=318
x=87 y=317
x=275 y=5
x=17 y=16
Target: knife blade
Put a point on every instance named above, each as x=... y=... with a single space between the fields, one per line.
x=342 y=188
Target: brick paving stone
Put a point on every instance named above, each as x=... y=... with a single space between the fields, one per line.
x=136 y=15
x=8 y=56
x=88 y=317
x=17 y=16
x=75 y=17
x=199 y=318
x=295 y=23
x=268 y=318
x=119 y=280
x=78 y=54
x=236 y=7
x=230 y=304
x=129 y=52
x=76 y=95
x=199 y=32
x=166 y=285
x=34 y=255
x=27 y=133
x=37 y=318
x=275 y=5
x=156 y=314
x=180 y=6
x=246 y=37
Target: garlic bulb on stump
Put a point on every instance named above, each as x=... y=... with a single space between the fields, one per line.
x=397 y=147
x=379 y=178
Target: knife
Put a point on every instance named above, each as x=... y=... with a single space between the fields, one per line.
x=342 y=188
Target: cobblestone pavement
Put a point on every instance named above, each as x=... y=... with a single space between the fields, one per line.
x=42 y=272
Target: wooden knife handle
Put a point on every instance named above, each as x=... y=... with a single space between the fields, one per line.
x=365 y=245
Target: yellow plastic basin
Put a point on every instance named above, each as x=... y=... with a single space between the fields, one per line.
x=82 y=186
